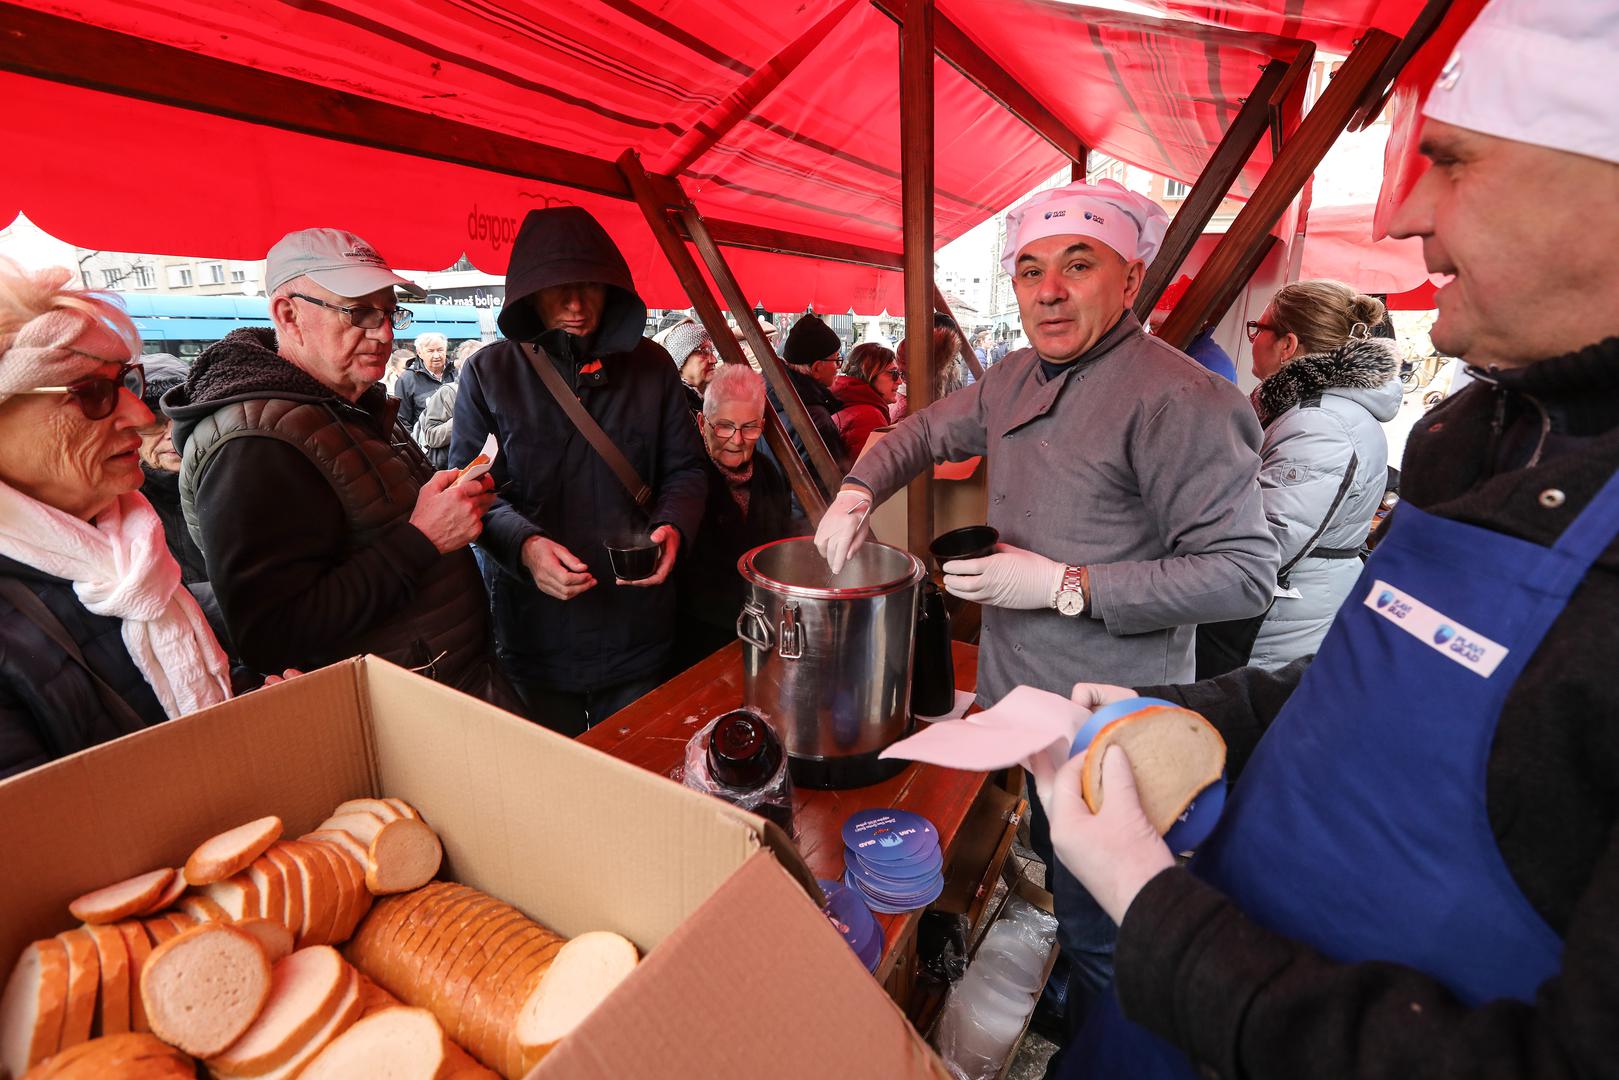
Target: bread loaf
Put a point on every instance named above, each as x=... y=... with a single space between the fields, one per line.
x=1174 y=754
x=127 y=1056
x=584 y=972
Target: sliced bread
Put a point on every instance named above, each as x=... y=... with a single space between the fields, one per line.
x=1174 y=754
x=202 y=989
x=32 y=1007
x=113 y=956
x=126 y=1056
x=306 y=989
x=276 y=939
x=83 y=986
x=232 y=851
x=129 y=897
x=399 y=1043
x=139 y=947
x=585 y=971
x=170 y=897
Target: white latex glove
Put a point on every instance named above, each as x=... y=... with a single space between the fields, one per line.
x=1010 y=578
x=1114 y=852
x=843 y=527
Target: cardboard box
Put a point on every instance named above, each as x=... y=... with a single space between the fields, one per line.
x=743 y=976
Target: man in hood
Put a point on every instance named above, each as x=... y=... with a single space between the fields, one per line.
x=579 y=643
x=326 y=532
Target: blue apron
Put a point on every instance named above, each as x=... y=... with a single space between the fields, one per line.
x=1359 y=826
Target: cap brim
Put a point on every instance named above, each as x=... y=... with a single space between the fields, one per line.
x=353 y=281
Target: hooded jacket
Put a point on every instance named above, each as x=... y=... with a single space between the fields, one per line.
x=552 y=483
x=1323 y=470
x=301 y=502
x=863 y=412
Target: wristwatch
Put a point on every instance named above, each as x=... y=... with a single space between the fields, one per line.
x=1070 y=599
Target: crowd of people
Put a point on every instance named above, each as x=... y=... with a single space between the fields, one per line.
x=1413 y=873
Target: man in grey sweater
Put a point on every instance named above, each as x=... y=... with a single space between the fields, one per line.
x=1123 y=478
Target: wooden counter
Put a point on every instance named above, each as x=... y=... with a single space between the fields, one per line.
x=975 y=817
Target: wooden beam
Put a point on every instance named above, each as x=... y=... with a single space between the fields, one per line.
x=1382 y=88
x=983 y=71
x=916 y=190
x=759 y=238
x=1280 y=186
x=68 y=51
x=963 y=344
x=1236 y=147
x=708 y=311
x=775 y=370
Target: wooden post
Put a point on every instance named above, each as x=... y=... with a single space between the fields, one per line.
x=916 y=184
x=713 y=319
x=774 y=368
x=1236 y=147
x=1280 y=186
x=963 y=344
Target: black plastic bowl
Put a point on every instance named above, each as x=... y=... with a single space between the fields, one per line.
x=971 y=542
x=634 y=563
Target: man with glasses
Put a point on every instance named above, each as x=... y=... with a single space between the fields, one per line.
x=326 y=531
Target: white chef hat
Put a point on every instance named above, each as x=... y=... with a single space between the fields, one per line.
x=1131 y=224
x=1534 y=72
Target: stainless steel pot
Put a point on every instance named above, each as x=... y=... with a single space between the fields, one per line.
x=827 y=658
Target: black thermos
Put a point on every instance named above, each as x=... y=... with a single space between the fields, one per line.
x=933 y=675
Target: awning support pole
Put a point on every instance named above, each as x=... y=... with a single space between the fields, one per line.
x=713 y=319
x=916 y=184
x=1236 y=147
x=1280 y=186
x=963 y=345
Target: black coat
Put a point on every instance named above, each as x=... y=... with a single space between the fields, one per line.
x=711 y=589
x=1253 y=1003
x=415 y=385
x=49 y=706
x=162 y=490
x=821 y=403
x=552 y=483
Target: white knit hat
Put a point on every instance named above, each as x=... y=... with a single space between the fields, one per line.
x=1131 y=224
x=1538 y=73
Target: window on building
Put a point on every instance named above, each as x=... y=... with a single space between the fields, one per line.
x=114 y=277
x=143 y=277
x=238 y=276
x=216 y=273
x=1174 y=189
x=179 y=276
x=90 y=279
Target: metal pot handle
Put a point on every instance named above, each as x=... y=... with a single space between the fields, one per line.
x=792 y=634
x=753 y=627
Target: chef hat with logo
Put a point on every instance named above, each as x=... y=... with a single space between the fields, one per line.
x=1533 y=72
x=1131 y=224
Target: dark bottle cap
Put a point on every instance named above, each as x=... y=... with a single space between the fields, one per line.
x=743 y=751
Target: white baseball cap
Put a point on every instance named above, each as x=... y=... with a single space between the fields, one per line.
x=335 y=260
x=1131 y=224
x=1534 y=73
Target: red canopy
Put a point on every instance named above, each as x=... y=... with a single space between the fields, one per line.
x=779 y=114
x=1338 y=244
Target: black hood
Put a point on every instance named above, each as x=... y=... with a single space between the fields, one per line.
x=561 y=245
x=243 y=366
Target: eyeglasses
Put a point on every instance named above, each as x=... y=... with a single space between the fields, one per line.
x=98 y=397
x=728 y=431
x=894 y=371
x=363 y=317
x=1254 y=326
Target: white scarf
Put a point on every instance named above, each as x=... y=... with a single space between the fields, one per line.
x=120 y=566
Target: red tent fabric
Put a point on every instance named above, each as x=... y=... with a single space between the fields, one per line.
x=811 y=84
x=1338 y=244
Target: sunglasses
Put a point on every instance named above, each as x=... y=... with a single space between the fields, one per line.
x=98 y=397
x=365 y=318
x=1254 y=326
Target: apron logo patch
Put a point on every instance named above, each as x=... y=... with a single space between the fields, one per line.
x=1449 y=638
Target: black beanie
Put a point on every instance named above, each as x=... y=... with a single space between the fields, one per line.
x=811 y=340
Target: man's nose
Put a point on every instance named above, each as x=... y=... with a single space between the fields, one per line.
x=1414 y=216
x=1051 y=290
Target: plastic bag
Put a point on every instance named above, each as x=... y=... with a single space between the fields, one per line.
x=772 y=800
x=988 y=1009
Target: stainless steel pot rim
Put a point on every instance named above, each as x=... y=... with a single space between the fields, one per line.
x=750 y=573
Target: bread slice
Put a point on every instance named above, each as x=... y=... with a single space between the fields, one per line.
x=232 y=851
x=399 y=1043
x=350 y=897
x=113 y=957
x=83 y=986
x=343 y=1017
x=360 y=852
x=404 y=855
x=1174 y=754
x=138 y=946
x=292 y=891
x=453 y=946
x=360 y=824
x=203 y=909
x=380 y=807
x=271 y=888
x=170 y=897
x=482 y=949
x=129 y=897
x=404 y=808
x=203 y=988
x=127 y=1056
x=584 y=973
x=237 y=895
x=276 y=939
x=458 y=1064
x=32 y=1006
x=509 y=993
x=306 y=989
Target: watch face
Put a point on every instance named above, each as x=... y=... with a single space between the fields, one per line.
x=1070 y=603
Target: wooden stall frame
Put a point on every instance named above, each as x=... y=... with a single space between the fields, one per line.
x=916 y=183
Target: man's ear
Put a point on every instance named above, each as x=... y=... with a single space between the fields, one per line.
x=1135 y=272
x=284 y=316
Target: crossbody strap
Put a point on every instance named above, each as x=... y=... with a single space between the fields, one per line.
x=1332 y=511
x=34 y=610
x=598 y=439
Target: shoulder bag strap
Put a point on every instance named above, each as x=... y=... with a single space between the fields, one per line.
x=599 y=439
x=34 y=610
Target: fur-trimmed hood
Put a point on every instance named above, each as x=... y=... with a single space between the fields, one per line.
x=1366 y=370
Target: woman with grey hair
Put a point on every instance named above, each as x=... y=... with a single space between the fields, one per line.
x=748 y=505
x=422 y=378
x=695 y=358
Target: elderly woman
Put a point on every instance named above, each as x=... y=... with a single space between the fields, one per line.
x=695 y=357
x=1326 y=388
x=867 y=387
x=748 y=505
x=97 y=636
